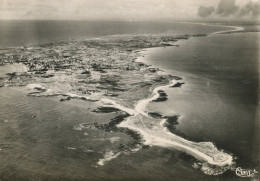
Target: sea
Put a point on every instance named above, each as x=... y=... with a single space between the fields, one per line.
x=19 y=33
x=218 y=102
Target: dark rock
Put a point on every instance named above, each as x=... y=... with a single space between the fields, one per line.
x=178 y=84
x=12 y=74
x=47 y=76
x=105 y=110
x=159 y=79
x=162 y=96
x=171 y=122
x=175 y=77
x=111 y=94
x=153 y=70
x=155 y=115
x=86 y=72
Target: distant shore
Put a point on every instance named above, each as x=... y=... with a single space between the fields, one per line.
x=104 y=69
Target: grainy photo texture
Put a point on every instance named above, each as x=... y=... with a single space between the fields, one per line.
x=129 y=90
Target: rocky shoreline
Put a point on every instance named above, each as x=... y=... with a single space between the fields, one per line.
x=105 y=70
x=91 y=70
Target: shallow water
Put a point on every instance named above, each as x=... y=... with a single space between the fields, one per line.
x=39 y=141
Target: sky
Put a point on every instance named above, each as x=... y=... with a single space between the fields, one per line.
x=129 y=9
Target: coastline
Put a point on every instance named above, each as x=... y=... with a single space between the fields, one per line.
x=63 y=76
x=207 y=84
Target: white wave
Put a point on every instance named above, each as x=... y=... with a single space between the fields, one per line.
x=33 y=86
x=72 y=95
x=79 y=127
x=107 y=157
x=71 y=148
x=202 y=151
x=160 y=136
x=157 y=135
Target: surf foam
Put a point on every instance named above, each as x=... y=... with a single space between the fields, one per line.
x=155 y=134
x=107 y=157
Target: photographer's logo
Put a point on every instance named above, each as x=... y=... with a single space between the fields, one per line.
x=245 y=172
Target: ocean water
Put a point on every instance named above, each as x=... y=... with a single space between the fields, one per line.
x=20 y=33
x=40 y=139
x=218 y=101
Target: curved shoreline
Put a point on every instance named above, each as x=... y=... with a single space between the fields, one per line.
x=236 y=28
x=155 y=134
x=158 y=135
x=211 y=156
